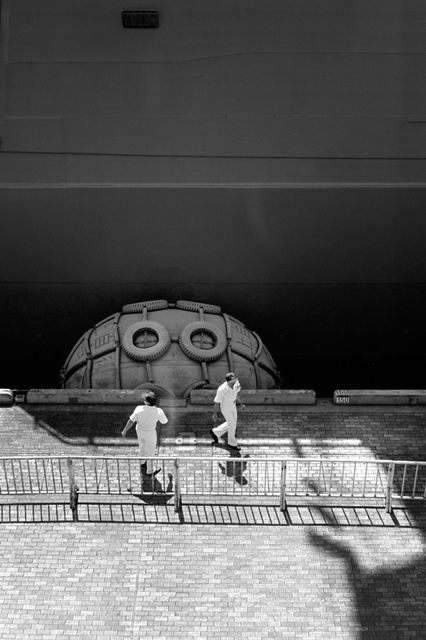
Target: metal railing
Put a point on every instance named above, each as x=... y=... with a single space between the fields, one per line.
x=214 y=476
x=26 y=475
x=409 y=480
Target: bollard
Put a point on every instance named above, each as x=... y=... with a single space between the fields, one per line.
x=178 y=495
x=283 y=498
x=389 y=487
x=73 y=491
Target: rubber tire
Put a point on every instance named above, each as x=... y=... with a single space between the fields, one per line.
x=188 y=305
x=201 y=384
x=152 y=386
x=151 y=353
x=202 y=355
x=151 y=305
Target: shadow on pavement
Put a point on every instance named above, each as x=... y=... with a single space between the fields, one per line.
x=235 y=469
x=159 y=508
x=390 y=602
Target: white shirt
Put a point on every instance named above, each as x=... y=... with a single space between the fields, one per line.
x=226 y=395
x=147 y=417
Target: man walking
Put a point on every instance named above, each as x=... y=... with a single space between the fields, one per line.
x=226 y=400
x=145 y=417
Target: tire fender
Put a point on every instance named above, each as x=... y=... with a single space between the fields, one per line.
x=151 y=305
x=148 y=353
x=188 y=305
x=154 y=386
x=194 y=352
x=201 y=384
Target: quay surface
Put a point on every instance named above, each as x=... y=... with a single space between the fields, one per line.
x=135 y=568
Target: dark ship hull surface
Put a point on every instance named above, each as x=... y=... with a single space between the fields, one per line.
x=271 y=162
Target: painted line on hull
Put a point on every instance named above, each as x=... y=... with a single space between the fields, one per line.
x=216 y=185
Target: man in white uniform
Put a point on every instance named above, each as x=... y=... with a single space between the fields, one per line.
x=145 y=417
x=226 y=399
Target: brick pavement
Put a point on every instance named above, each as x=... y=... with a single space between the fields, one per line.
x=138 y=570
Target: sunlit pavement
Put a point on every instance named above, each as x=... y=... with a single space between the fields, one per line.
x=136 y=569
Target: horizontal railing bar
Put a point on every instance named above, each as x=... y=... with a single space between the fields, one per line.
x=173 y=457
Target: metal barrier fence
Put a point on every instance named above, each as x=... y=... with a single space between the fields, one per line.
x=214 y=476
x=26 y=475
x=409 y=480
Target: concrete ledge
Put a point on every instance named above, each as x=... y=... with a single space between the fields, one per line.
x=95 y=396
x=380 y=397
x=6 y=397
x=260 y=396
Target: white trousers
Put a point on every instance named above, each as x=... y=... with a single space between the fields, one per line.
x=230 y=424
x=147 y=444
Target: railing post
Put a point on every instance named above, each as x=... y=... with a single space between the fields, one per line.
x=389 y=487
x=178 y=495
x=73 y=491
x=283 y=501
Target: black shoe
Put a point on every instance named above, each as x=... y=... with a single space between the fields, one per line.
x=234 y=446
x=214 y=436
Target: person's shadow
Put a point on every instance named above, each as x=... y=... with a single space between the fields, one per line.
x=152 y=486
x=235 y=469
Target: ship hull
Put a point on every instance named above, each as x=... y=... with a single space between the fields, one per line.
x=270 y=162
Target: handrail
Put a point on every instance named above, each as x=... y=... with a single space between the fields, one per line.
x=173 y=457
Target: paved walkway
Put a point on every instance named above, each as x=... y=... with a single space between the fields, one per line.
x=136 y=569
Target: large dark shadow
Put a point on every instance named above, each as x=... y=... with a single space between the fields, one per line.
x=99 y=425
x=84 y=425
x=390 y=602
